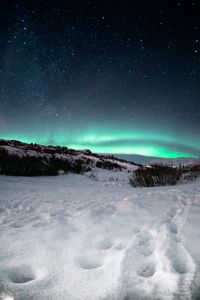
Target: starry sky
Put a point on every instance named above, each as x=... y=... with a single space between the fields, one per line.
x=120 y=77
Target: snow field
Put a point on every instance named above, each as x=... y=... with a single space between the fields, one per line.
x=70 y=237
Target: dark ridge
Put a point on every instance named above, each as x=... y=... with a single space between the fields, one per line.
x=22 y=159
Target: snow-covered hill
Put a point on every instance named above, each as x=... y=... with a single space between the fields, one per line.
x=17 y=158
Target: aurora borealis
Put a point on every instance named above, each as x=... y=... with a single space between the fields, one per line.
x=117 y=77
x=147 y=144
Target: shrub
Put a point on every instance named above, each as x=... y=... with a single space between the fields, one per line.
x=191 y=173
x=108 y=165
x=24 y=166
x=156 y=175
x=12 y=164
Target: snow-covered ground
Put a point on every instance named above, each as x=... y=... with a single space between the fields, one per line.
x=72 y=237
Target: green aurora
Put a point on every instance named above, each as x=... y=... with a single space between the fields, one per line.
x=118 y=142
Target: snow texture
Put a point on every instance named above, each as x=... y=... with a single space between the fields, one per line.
x=72 y=237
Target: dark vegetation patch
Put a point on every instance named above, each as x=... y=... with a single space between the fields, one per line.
x=21 y=159
x=13 y=164
x=163 y=175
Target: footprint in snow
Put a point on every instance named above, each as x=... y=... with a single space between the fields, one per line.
x=179 y=257
x=157 y=250
x=120 y=246
x=18 y=224
x=146 y=270
x=90 y=261
x=104 y=244
x=139 y=263
x=20 y=275
x=144 y=244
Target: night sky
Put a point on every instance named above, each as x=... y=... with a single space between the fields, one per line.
x=120 y=77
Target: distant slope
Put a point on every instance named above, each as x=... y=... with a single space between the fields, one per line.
x=140 y=159
x=17 y=158
x=176 y=161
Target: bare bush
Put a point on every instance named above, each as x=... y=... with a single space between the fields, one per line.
x=156 y=175
x=191 y=173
